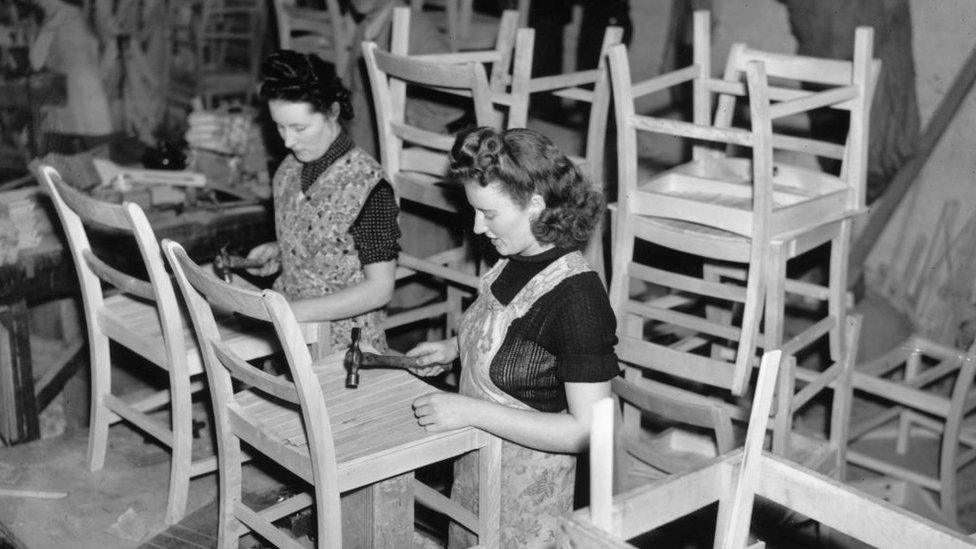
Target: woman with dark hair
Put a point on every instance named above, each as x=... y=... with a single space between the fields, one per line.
x=536 y=346
x=335 y=214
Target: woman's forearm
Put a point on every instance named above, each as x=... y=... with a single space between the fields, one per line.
x=549 y=432
x=372 y=293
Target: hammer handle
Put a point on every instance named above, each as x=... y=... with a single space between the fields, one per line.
x=388 y=361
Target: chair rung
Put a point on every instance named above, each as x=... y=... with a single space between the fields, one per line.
x=255 y=521
x=687 y=283
x=685 y=320
x=436 y=501
x=875 y=464
x=142 y=421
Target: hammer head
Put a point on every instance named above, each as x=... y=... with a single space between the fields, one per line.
x=222 y=264
x=353 y=360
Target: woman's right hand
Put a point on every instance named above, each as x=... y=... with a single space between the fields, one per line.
x=434 y=357
x=269 y=254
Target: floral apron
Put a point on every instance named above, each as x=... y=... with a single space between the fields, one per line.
x=318 y=255
x=537 y=487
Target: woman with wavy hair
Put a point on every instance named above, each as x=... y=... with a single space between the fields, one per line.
x=536 y=346
x=335 y=214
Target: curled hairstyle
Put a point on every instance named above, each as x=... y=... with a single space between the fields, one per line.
x=304 y=78
x=525 y=162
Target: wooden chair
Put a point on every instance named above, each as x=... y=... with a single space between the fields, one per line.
x=733 y=481
x=227 y=43
x=459 y=15
x=701 y=427
x=497 y=59
x=928 y=388
x=327 y=33
x=591 y=90
x=415 y=161
x=722 y=208
x=334 y=438
x=145 y=317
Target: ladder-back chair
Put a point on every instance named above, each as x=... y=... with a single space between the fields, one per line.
x=733 y=481
x=497 y=59
x=916 y=391
x=145 y=317
x=591 y=90
x=754 y=210
x=325 y=32
x=415 y=162
x=335 y=438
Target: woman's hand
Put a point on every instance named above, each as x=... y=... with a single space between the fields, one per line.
x=270 y=254
x=434 y=357
x=438 y=412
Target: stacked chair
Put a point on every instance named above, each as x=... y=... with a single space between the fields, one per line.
x=740 y=208
x=325 y=32
x=415 y=162
x=590 y=90
x=143 y=316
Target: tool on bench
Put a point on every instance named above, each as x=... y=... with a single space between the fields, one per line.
x=224 y=263
x=356 y=359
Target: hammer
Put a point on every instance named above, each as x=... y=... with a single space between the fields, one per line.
x=356 y=359
x=224 y=263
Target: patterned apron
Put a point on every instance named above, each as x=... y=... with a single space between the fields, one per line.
x=537 y=487
x=318 y=255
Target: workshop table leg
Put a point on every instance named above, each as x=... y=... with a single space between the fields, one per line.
x=18 y=407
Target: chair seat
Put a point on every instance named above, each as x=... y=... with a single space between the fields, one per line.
x=135 y=324
x=718 y=193
x=392 y=444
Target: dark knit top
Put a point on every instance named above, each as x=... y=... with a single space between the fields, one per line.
x=375 y=232
x=567 y=335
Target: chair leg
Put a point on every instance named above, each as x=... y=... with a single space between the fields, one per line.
x=229 y=474
x=181 y=419
x=101 y=384
x=837 y=285
x=775 y=298
x=489 y=487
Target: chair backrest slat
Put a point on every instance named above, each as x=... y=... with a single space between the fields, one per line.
x=254 y=377
x=390 y=74
x=127 y=283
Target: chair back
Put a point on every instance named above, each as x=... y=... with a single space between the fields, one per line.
x=204 y=293
x=497 y=59
x=404 y=146
x=229 y=47
x=324 y=32
x=80 y=213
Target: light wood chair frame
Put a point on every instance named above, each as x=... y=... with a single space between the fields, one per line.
x=417 y=171
x=590 y=87
x=326 y=32
x=733 y=480
x=935 y=397
x=300 y=423
x=145 y=317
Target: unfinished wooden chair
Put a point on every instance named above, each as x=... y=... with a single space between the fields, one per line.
x=733 y=481
x=752 y=210
x=459 y=14
x=590 y=90
x=327 y=32
x=497 y=58
x=334 y=438
x=415 y=161
x=919 y=394
x=144 y=316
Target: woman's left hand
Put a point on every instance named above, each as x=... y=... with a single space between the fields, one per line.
x=443 y=411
